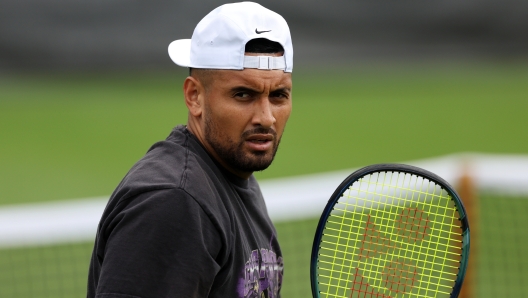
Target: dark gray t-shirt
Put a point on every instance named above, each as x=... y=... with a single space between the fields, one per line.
x=179 y=225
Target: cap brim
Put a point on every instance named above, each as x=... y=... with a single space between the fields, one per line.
x=180 y=52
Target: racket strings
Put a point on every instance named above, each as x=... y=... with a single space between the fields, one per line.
x=391 y=234
x=424 y=261
x=448 y=234
x=447 y=279
x=346 y=288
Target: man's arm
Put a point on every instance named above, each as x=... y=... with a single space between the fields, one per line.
x=161 y=244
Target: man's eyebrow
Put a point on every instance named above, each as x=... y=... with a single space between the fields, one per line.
x=285 y=89
x=249 y=90
x=243 y=89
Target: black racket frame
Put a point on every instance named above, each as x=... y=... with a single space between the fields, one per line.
x=402 y=168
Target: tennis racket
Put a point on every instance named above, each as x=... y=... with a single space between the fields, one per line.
x=391 y=230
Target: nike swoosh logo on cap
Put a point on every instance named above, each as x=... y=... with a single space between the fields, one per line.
x=259 y=32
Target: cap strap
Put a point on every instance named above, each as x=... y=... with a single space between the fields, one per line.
x=265 y=62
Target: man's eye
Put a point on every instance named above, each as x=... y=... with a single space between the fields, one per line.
x=242 y=94
x=279 y=95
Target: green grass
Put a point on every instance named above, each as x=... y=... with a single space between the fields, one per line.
x=56 y=271
x=67 y=136
x=296 y=239
x=502 y=261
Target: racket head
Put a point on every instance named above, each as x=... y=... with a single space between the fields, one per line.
x=391 y=230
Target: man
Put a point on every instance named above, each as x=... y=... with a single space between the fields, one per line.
x=189 y=219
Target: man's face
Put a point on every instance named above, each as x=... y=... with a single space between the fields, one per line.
x=244 y=116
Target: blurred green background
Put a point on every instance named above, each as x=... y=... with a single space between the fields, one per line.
x=76 y=135
x=87 y=87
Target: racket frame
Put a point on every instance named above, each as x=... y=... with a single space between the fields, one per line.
x=402 y=168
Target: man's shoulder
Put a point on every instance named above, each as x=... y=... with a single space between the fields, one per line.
x=178 y=162
x=165 y=165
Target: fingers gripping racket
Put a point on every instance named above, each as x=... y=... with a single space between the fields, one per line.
x=391 y=230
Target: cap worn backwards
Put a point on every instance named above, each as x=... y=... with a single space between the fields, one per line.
x=219 y=39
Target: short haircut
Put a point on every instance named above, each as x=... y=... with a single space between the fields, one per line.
x=260 y=45
x=263 y=45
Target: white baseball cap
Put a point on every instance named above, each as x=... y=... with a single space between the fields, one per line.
x=219 y=39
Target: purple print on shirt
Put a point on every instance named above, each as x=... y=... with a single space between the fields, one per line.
x=262 y=276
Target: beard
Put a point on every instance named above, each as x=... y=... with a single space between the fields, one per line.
x=232 y=151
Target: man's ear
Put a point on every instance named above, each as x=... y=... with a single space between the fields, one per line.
x=194 y=93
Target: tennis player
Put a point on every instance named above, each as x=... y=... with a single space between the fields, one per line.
x=189 y=219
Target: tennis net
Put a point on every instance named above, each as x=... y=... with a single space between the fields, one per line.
x=44 y=253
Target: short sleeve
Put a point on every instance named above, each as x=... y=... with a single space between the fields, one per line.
x=159 y=244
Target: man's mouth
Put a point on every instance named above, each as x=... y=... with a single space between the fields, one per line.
x=260 y=142
x=260 y=138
